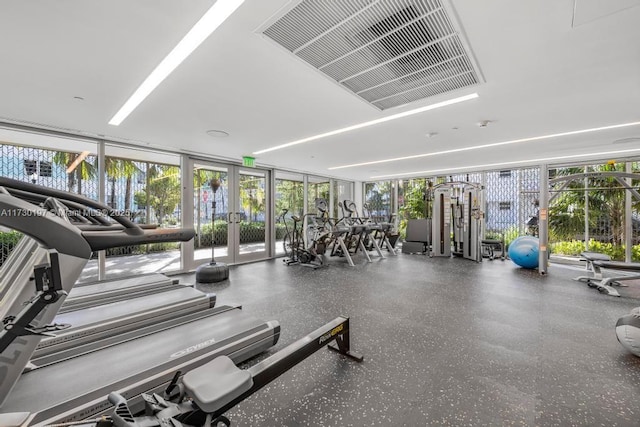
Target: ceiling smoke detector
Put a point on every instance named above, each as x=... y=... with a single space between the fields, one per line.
x=483 y=123
x=431 y=134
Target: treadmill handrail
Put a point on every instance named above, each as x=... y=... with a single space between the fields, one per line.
x=110 y=238
x=43 y=226
x=130 y=226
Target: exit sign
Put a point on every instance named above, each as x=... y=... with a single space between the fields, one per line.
x=248 y=161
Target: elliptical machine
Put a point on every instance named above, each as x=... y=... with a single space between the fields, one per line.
x=306 y=250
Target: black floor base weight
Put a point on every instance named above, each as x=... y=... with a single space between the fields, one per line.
x=212 y=272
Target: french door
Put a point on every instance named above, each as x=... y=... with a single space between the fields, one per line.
x=231 y=213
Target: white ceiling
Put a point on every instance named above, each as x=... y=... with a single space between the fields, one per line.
x=545 y=72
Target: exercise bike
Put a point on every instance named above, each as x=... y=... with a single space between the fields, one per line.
x=295 y=248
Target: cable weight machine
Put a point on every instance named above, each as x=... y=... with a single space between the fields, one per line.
x=457 y=220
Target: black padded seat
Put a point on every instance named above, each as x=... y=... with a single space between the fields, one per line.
x=618 y=265
x=594 y=256
x=216 y=383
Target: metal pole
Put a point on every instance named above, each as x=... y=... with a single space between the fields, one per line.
x=215 y=185
x=483 y=208
x=198 y=206
x=586 y=210
x=305 y=194
x=102 y=255
x=395 y=205
x=543 y=220
x=332 y=205
x=628 y=225
x=186 y=207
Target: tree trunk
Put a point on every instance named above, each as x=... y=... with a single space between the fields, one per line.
x=112 y=201
x=71 y=181
x=79 y=178
x=127 y=194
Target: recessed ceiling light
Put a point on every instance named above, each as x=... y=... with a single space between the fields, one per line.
x=495 y=144
x=372 y=122
x=211 y=20
x=516 y=162
x=217 y=133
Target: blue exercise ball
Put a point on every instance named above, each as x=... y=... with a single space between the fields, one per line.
x=524 y=251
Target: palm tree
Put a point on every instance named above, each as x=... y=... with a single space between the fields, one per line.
x=85 y=170
x=606 y=205
x=120 y=168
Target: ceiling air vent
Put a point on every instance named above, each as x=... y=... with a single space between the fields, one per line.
x=388 y=52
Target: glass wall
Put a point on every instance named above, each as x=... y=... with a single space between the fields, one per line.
x=317 y=188
x=586 y=213
x=146 y=186
x=590 y=212
x=72 y=167
x=411 y=201
x=290 y=198
x=378 y=197
x=147 y=191
x=342 y=190
x=203 y=198
x=511 y=202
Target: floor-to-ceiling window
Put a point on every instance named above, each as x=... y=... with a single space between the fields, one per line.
x=289 y=202
x=317 y=188
x=342 y=190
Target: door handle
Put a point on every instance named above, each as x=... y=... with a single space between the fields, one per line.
x=238 y=217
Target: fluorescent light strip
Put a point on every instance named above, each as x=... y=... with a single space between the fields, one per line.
x=479 y=147
x=517 y=162
x=211 y=20
x=372 y=122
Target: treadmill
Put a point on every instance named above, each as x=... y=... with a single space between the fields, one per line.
x=108 y=308
x=76 y=388
x=91 y=294
x=91 y=326
x=87 y=295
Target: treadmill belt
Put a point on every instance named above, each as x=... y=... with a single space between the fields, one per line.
x=120 y=309
x=73 y=384
x=98 y=293
x=95 y=323
x=119 y=284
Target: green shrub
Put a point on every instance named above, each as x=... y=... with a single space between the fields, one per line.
x=10 y=238
x=574 y=247
x=281 y=230
x=249 y=232
x=142 y=249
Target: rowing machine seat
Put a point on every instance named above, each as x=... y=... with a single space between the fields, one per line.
x=216 y=383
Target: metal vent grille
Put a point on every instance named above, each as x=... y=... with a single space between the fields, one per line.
x=388 y=52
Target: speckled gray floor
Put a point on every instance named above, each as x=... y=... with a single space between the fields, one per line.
x=446 y=342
